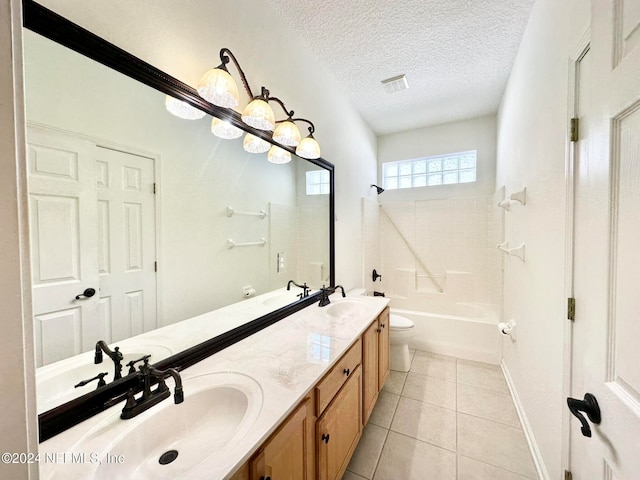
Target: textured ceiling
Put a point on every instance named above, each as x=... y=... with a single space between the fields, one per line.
x=456 y=54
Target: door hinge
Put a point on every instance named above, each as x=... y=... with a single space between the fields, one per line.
x=154 y=188
x=571 y=309
x=155 y=266
x=574 y=130
x=568 y=475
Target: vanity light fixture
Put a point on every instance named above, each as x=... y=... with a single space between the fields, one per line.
x=224 y=129
x=278 y=155
x=253 y=144
x=218 y=87
x=182 y=109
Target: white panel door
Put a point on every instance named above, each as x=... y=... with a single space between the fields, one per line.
x=126 y=242
x=62 y=199
x=606 y=357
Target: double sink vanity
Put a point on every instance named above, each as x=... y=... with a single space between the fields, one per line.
x=287 y=402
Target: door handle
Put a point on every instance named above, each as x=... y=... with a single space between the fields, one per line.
x=89 y=292
x=589 y=406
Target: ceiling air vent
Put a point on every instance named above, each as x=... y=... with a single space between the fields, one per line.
x=395 y=84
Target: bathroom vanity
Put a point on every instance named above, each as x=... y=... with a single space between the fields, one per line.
x=288 y=402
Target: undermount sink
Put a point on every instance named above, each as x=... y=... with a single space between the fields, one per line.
x=55 y=383
x=347 y=308
x=280 y=300
x=217 y=411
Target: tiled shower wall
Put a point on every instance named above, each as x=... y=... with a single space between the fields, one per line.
x=455 y=239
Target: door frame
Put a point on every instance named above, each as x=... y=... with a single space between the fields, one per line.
x=157 y=165
x=579 y=51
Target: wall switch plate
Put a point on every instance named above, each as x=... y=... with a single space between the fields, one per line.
x=281 y=265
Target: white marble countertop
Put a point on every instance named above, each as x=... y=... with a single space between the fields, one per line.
x=285 y=361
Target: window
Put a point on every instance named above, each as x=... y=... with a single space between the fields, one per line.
x=317 y=182
x=428 y=171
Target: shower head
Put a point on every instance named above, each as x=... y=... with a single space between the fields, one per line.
x=379 y=189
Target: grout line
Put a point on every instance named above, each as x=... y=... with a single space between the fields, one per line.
x=375 y=470
x=524 y=477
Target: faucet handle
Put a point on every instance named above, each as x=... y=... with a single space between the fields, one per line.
x=99 y=377
x=132 y=363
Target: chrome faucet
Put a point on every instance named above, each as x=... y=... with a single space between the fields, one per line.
x=304 y=287
x=149 y=398
x=115 y=356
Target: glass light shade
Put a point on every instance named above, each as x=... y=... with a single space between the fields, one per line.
x=218 y=87
x=224 y=129
x=278 y=155
x=308 y=148
x=287 y=133
x=182 y=109
x=253 y=144
x=258 y=114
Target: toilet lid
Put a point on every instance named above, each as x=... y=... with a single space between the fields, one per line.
x=398 y=322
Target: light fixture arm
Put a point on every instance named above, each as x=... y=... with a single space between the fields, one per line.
x=312 y=127
x=281 y=103
x=225 y=55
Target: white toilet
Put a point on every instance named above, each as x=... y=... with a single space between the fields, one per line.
x=401 y=332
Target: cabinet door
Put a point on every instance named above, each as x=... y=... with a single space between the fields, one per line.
x=383 y=348
x=284 y=456
x=339 y=429
x=369 y=370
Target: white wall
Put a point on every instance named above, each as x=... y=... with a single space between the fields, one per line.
x=17 y=402
x=472 y=134
x=184 y=41
x=532 y=148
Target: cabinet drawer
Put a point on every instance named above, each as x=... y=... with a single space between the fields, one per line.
x=333 y=381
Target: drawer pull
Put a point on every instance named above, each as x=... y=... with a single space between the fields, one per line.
x=325 y=437
x=346 y=371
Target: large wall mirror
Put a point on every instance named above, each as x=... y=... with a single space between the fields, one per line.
x=161 y=219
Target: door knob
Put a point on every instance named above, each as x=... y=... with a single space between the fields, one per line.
x=89 y=292
x=589 y=406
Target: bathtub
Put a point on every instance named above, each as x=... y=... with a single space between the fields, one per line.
x=460 y=330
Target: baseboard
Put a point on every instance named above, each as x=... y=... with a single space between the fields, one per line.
x=541 y=468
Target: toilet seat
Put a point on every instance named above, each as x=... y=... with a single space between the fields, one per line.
x=398 y=322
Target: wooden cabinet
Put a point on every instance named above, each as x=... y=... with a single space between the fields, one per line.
x=288 y=454
x=369 y=370
x=339 y=429
x=383 y=348
x=375 y=362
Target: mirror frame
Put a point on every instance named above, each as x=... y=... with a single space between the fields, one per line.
x=64 y=32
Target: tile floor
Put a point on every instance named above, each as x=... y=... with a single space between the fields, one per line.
x=447 y=419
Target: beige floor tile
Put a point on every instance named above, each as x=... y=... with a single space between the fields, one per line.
x=430 y=390
x=438 y=366
x=487 y=404
x=494 y=443
x=425 y=422
x=470 y=469
x=395 y=382
x=405 y=458
x=482 y=375
x=352 y=476
x=365 y=458
x=383 y=412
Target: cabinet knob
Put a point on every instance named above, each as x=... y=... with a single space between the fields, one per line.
x=378 y=330
x=325 y=437
x=346 y=371
x=265 y=478
x=382 y=325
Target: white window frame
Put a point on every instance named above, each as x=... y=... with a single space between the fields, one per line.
x=317 y=182
x=450 y=168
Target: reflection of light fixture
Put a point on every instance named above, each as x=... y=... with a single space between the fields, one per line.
x=218 y=87
x=253 y=144
x=182 y=109
x=380 y=190
x=278 y=155
x=224 y=129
